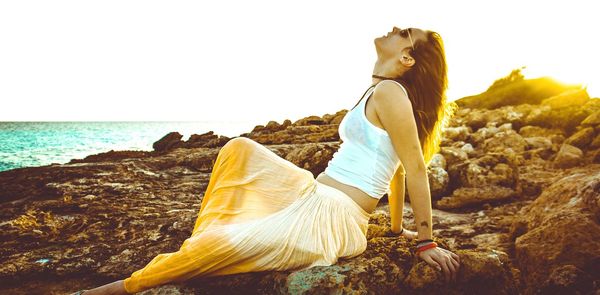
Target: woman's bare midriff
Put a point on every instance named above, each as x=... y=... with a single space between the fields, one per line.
x=365 y=201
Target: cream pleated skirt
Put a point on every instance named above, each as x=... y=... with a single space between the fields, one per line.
x=260 y=212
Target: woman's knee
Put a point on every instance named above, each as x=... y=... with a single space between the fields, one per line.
x=237 y=143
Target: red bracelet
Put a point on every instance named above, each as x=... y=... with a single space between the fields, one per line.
x=428 y=246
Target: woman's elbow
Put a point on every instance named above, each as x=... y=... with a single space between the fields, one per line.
x=416 y=168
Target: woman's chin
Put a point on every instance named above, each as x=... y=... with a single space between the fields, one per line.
x=377 y=42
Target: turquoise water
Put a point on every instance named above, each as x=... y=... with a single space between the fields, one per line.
x=27 y=144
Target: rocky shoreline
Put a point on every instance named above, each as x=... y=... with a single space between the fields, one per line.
x=515 y=191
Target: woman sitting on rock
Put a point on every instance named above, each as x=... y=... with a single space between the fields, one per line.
x=261 y=212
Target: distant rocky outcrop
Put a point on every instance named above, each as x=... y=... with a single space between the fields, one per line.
x=515 y=192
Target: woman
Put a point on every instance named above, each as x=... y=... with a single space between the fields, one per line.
x=261 y=212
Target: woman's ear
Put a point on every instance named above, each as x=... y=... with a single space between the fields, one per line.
x=407 y=60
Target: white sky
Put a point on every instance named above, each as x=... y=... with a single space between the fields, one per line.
x=263 y=60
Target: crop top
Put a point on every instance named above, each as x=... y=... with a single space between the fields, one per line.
x=366 y=158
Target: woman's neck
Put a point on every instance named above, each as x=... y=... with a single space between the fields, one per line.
x=382 y=69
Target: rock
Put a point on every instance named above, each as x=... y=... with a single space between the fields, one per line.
x=595 y=142
x=312 y=157
x=310 y=120
x=538 y=142
x=572 y=97
x=438 y=160
x=568 y=156
x=476 y=120
x=483 y=133
x=470 y=196
x=527 y=91
x=505 y=142
x=507 y=116
x=113 y=155
x=596 y=157
x=581 y=138
x=506 y=127
x=274 y=126
x=457 y=133
x=592 y=120
x=536 y=131
x=567 y=279
x=561 y=229
x=492 y=169
x=468 y=148
x=167 y=142
x=195 y=138
x=335 y=118
x=309 y=129
x=169 y=289
x=486 y=271
x=438 y=182
x=453 y=155
x=565 y=118
x=208 y=139
x=540 y=148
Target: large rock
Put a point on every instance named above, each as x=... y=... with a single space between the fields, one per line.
x=560 y=228
x=487 y=272
x=527 y=91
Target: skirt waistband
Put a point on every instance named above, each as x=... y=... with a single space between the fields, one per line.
x=341 y=196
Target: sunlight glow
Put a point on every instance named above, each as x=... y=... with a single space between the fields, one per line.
x=582 y=76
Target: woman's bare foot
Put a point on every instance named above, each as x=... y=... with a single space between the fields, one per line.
x=114 y=288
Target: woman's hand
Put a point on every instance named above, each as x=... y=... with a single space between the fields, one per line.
x=442 y=259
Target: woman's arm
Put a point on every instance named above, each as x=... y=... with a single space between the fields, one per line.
x=396 y=199
x=395 y=112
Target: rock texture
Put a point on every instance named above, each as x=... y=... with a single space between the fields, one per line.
x=515 y=188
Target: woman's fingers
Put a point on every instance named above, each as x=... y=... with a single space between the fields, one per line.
x=444 y=263
x=452 y=275
x=455 y=256
x=443 y=260
x=452 y=261
x=455 y=260
x=431 y=262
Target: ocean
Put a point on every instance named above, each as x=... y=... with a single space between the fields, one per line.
x=29 y=144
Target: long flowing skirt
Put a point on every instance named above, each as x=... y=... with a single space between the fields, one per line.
x=260 y=212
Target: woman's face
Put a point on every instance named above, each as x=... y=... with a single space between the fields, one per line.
x=397 y=43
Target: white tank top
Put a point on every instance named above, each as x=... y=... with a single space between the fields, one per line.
x=366 y=158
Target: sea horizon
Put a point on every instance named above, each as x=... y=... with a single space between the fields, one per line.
x=40 y=143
